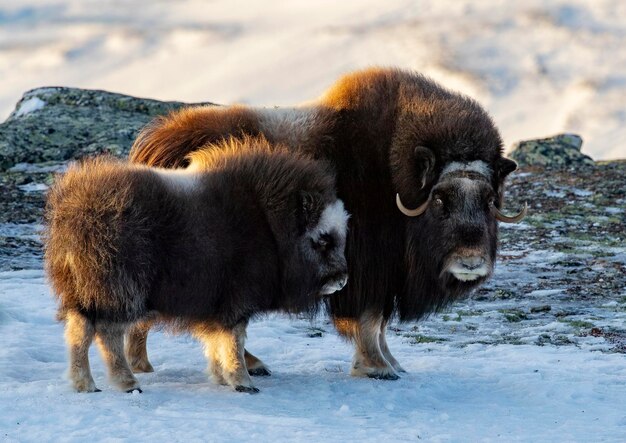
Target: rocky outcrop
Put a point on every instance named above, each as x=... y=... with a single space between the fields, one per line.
x=559 y=151
x=57 y=124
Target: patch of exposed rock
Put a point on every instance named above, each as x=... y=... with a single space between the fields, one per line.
x=559 y=151
x=58 y=124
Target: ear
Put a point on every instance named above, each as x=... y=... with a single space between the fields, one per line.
x=412 y=169
x=309 y=209
x=424 y=163
x=504 y=167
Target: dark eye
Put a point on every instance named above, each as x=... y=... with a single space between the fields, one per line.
x=324 y=242
x=439 y=206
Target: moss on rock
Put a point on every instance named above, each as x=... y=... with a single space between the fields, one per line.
x=57 y=124
x=559 y=151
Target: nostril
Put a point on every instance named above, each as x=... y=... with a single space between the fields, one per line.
x=472 y=263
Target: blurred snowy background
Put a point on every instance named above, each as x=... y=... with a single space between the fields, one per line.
x=540 y=67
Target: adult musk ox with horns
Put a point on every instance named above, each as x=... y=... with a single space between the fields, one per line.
x=202 y=250
x=397 y=140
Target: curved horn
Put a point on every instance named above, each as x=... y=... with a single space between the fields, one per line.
x=411 y=212
x=509 y=219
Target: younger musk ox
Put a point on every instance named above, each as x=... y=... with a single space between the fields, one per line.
x=245 y=231
x=396 y=138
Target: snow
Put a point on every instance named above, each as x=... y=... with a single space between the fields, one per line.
x=450 y=393
x=33 y=187
x=31 y=105
x=540 y=67
x=614 y=210
x=34 y=168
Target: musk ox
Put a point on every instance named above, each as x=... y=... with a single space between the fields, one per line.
x=249 y=230
x=397 y=139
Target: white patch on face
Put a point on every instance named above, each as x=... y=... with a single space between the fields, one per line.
x=477 y=166
x=462 y=273
x=334 y=286
x=467 y=184
x=333 y=218
x=179 y=180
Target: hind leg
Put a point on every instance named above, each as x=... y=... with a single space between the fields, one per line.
x=79 y=333
x=110 y=339
x=224 y=348
x=385 y=349
x=136 y=346
x=255 y=366
x=368 y=360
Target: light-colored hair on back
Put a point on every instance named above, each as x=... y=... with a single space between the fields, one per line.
x=216 y=155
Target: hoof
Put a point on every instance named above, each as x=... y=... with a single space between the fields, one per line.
x=86 y=387
x=130 y=391
x=384 y=376
x=246 y=389
x=378 y=373
x=141 y=368
x=259 y=372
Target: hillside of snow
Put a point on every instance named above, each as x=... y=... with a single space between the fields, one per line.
x=540 y=67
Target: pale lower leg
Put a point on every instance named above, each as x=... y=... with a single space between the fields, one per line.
x=110 y=339
x=224 y=348
x=136 y=346
x=368 y=360
x=216 y=370
x=79 y=333
x=385 y=349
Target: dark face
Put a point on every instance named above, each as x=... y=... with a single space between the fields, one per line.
x=461 y=229
x=323 y=245
x=452 y=237
x=316 y=265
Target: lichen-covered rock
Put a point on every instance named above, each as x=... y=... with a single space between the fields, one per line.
x=56 y=124
x=559 y=151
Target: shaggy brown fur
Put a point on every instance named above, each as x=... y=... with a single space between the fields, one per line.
x=386 y=131
x=203 y=250
x=194 y=129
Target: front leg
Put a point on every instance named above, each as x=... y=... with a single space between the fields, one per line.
x=224 y=348
x=385 y=349
x=368 y=360
x=137 y=352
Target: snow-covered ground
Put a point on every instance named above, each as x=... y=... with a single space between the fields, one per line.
x=477 y=392
x=537 y=354
x=539 y=66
